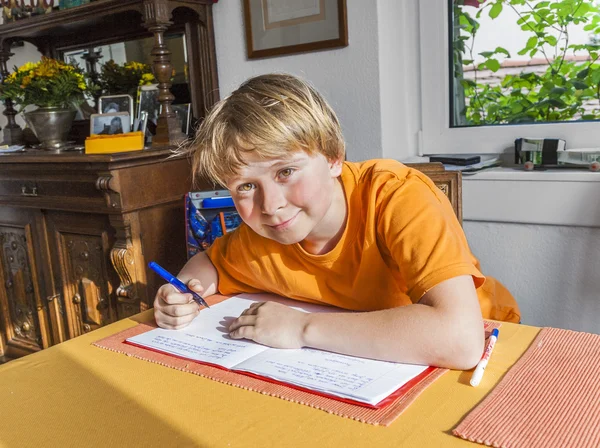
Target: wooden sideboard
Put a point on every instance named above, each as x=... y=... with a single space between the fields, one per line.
x=77 y=232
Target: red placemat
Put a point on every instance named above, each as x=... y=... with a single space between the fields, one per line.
x=384 y=416
x=549 y=398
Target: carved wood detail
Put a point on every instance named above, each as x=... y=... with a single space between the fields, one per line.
x=123 y=259
x=21 y=307
x=88 y=295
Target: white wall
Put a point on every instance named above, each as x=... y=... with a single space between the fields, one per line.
x=399 y=77
x=347 y=77
x=553 y=271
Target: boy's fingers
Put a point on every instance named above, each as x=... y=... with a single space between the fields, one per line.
x=172 y=323
x=195 y=285
x=175 y=298
x=245 y=332
x=252 y=309
x=180 y=310
x=242 y=321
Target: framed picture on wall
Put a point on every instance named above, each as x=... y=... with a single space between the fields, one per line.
x=278 y=27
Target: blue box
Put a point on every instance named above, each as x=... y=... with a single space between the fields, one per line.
x=209 y=215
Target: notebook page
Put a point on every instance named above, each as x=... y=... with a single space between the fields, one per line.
x=365 y=380
x=206 y=338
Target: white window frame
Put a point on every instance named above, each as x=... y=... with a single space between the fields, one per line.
x=437 y=137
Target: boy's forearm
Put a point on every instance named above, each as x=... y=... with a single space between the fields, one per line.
x=201 y=268
x=417 y=334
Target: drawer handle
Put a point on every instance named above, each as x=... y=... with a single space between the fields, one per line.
x=25 y=193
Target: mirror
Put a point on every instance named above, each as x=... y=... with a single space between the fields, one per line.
x=91 y=59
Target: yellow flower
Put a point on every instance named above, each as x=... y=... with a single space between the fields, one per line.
x=28 y=66
x=26 y=81
x=147 y=78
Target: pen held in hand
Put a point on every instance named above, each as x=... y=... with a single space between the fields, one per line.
x=478 y=373
x=178 y=284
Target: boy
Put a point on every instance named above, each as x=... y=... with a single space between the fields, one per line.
x=376 y=237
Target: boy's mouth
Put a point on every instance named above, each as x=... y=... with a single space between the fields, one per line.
x=285 y=224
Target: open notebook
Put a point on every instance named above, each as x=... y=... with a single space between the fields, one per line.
x=358 y=380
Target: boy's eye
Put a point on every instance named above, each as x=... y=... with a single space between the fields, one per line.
x=286 y=173
x=245 y=187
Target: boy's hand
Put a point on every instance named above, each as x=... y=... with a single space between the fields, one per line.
x=272 y=324
x=174 y=310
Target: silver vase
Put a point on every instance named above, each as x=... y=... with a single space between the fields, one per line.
x=51 y=125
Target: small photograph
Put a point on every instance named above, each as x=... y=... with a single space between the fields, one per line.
x=183 y=113
x=149 y=102
x=115 y=103
x=110 y=124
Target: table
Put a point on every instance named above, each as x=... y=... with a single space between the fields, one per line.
x=75 y=394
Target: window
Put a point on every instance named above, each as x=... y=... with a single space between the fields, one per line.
x=496 y=70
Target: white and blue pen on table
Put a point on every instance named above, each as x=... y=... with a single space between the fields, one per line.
x=478 y=373
x=178 y=284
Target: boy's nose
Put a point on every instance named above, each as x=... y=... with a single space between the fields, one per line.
x=272 y=200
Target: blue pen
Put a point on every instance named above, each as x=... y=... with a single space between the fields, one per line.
x=178 y=284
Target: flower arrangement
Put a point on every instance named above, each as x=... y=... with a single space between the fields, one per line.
x=48 y=83
x=118 y=79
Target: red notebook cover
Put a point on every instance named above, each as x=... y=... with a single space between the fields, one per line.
x=383 y=403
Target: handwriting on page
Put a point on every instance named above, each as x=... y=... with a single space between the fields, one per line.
x=216 y=351
x=323 y=376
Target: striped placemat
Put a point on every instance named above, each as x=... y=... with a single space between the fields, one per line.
x=549 y=398
x=384 y=416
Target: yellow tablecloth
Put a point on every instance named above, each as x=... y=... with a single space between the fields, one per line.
x=78 y=395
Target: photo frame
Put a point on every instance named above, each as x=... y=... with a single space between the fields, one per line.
x=148 y=102
x=183 y=112
x=110 y=124
x=115 y=103
x=279 y=27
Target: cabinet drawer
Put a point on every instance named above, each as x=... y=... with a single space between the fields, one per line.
x=55 y=190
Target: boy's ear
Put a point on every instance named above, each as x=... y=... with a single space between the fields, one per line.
x=335 y=167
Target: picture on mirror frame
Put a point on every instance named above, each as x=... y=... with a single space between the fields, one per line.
x=110 y=124
x=115 y=103
x=148 y=102
x=183 y=112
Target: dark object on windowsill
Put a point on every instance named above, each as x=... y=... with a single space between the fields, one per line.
x=538 y=151
x=456 y=159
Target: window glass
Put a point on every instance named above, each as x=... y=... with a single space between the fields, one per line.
x=523 y=62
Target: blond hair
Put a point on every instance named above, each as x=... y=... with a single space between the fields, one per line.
x=269 y=115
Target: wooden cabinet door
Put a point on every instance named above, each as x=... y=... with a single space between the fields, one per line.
x=24 y=316
x=80 y=247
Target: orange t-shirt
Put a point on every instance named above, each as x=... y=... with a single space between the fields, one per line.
x=402 y=238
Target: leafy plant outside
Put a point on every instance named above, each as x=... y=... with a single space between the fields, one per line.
x=562 y=93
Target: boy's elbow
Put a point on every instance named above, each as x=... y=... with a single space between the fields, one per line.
x=465 y=349
x=469 y=357
x=468 y=353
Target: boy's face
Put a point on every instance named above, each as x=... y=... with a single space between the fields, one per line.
x=289 y=199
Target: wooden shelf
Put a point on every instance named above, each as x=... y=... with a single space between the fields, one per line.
x=68 y=21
